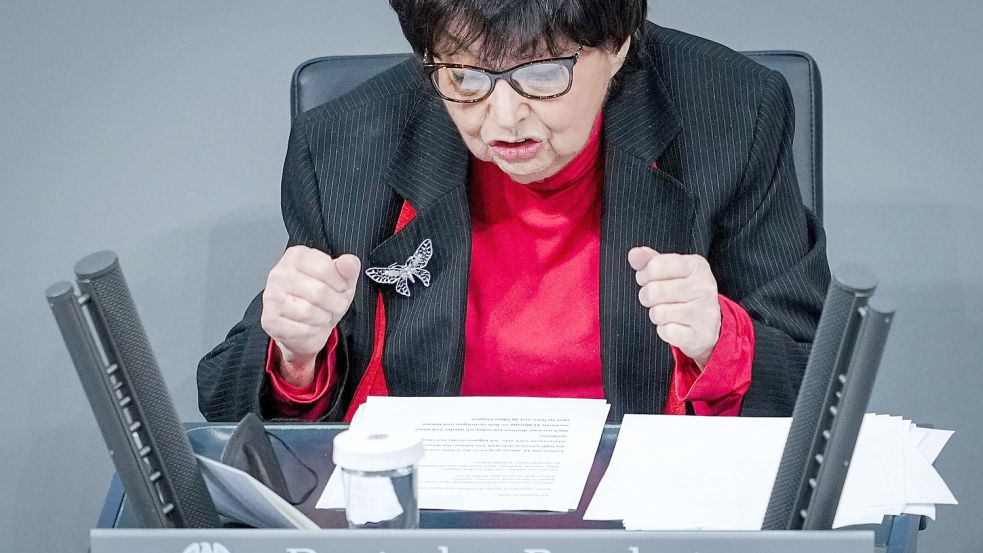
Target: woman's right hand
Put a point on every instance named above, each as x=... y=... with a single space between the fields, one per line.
x=306 y=294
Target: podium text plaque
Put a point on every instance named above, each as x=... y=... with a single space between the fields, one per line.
x=476 y=541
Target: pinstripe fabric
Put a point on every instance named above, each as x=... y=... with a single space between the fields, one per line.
x=720 y=128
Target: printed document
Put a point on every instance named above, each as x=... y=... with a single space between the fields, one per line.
x=492 y=453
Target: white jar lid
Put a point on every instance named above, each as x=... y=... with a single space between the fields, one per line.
x=375 y=450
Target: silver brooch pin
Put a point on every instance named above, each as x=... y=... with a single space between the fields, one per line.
x=403 y=275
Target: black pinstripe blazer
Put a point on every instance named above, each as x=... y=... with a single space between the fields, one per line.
x=719 y=127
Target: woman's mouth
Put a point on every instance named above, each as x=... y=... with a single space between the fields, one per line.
x=516 y=151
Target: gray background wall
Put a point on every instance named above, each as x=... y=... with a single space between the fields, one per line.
x=158 y=129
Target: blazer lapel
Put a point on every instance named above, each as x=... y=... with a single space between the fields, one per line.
x=643 y=206
x=424 y=346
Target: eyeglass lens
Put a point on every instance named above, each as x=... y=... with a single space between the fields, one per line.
x=536 y=80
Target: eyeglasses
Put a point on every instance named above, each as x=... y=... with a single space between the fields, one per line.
x=537 y=80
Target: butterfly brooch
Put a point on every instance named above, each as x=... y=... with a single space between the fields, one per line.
x=403 y=275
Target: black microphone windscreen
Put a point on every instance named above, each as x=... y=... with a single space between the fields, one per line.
x=852 y=285
x=115 y=318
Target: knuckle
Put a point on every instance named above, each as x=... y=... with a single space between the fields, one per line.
x=647 y=294
x=694 y=265
x=292 y=254
x=654 y=263
x=653 y=315
x=309 y=332
x=305 y=311
x=322 y=264
x=327 y=322
x=270 y=312
x=656 y=291
x=339 y=306
x=327 y=304
x=328 y=300
x=292 y=284
x=320 y=290
x=288 y=307
x=283 y=276
x=271 y=326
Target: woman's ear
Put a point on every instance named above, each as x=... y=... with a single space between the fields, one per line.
x=620 y=56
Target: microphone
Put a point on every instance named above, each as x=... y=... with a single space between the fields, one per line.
x=829 y=409
x=128 y=396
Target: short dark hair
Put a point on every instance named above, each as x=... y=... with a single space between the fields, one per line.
x=514 y=29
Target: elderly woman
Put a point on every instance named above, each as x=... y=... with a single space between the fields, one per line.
x=554 y=198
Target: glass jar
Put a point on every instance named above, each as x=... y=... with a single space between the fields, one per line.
x=379 y=477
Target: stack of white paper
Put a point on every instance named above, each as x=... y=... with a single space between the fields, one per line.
x=715 y=473
x=492 y=453
x=892 y=473
x=675 y=473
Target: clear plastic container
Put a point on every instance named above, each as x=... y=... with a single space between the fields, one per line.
x=379 y=477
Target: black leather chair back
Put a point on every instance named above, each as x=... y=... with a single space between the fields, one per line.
x=322 y=79
x=802 y=75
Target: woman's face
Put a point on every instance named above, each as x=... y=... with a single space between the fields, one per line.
x=531 y=140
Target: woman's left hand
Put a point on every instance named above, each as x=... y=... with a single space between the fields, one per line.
x=680 y=293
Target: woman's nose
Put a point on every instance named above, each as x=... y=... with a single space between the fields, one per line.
x=506 y=106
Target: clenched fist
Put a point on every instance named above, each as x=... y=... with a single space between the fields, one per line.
x=306 y=294
x=681 y=295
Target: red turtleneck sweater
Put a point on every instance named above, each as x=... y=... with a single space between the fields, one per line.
x=533 y=324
